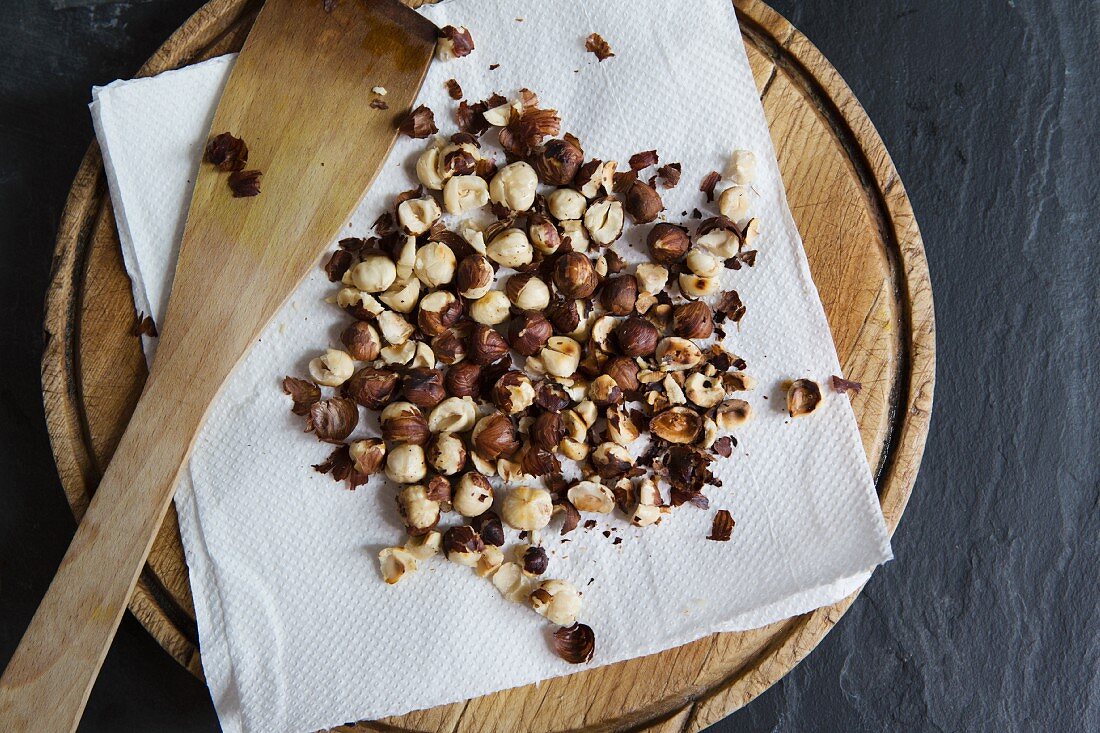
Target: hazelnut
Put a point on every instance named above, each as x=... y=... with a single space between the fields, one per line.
x=402 y=296
x=513 y=472
x=557 y=162
x=491 y=308
x=494 y=436
x=734 y=202
x=462 y=545
x=474 y=277
x=611 y=460
x=591 y=496
x=561 y=356
x=619 y=294
x=733 y=413
x=425 y=545
x=367 y=455
x=514 y=186
x=710 y=434
x=423 y=387
x=573 y=449
x=395 y=562
x=454 y=414
x=416 y=216
x=513 y=392
x=488 y=526
x=374 y=274
x=604 y=391
x=543 y=234
x=673 y=392
x=362 y=306
x=527 y=508
x=547 y=431
x=332 y=368
x=558 y=601
x=741 y=168
x=361 y=341
x=651 y=278
x=604 y=221
x=803 y=397
x=510 y=248
x=527 y=292
x=447 y=454
x=406 y=257
x=645 y=514
x=596 y=176
x=486 y=345
x=636 y=336
x=511 y=582
x=450 y=346
x=474 y=233
x=420 y=513
x=395 y=329
x=703 y=263
x=574 y=231
x=402 y=422
x=465 y=193
x=439 y=310
x=566 y=203
x=405 y=464
x=535 y=561
x=565 y=314
x=624 y=371
x=434 y=264
x=528 y=333
x=429 y=168
x=600 y=336
x=574 y=275
x=752 y=231
x=473 y=495
x=703 y=390
x=667 y=243
x=621 y=428
x=398 y=355
x=643 y=203
x=484 y=467
x=463 y=380
x=501 y=115
x=491 y=559
x=677 y=425
x=676 y=354
x=371 y=388
x=721 y=236
x=693 y=320
x=693 y=286
x=424 y=358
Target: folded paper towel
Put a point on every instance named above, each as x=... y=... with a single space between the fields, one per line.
x=298 y=631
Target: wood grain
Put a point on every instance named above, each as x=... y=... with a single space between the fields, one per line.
x=867 y=260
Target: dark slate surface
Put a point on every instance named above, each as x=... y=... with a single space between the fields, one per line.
x=988 y=618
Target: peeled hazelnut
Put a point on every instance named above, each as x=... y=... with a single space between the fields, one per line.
x=574 y=275
x=395 y=562
x=734 y=203
x=484 y=467
x=513 y=472
x=693 y=320
x=462 y=545
x=424 y=546
x=332 y=368
x=566 y=203
x=591 y=496
x=535 y=561
x=561 y=356
x=416 y=216
x=450 y=346
x=489 y=562
x=434 y=264
x=547 y=431
x=398 y=354
x=573 y=449
x=703 y=390
x=741 y=168
x=474 y=277
x=463 y=380
x=374 y=274
x=491 y=308
x=405 y=464
x=619 y=294
x=693 y=286
x=402 y=422
x=678 y=354
x=527 y=508
x=494 y=436
x=721 y=236
x=703 y=263
x=596 y=176
x=362 y=306
x=611 y=460
x=513 y=392
x=528 y=333
x=514 y=186
x=447 y=454
x=543 y=234
x=367 y=455
x=558 y=601
x=423 y=387
x=557 y=162
x=643 y=203
x=510 y=248
x=651 y=278
x=604 y=221
x=752 y=231
x=604 y=391
x=371 y=388
x=600 y=335
x=644 y=515
x=439 y=310
x=486 y=345
x=624 y=371
x=488 y=526
x=637 y=336
x=465 y=193
x=621 y=428
x=677 y=425
x=803 y=397
x=428 y=168
x=673 y=392
x=473 y=495
x=406 y=257
x=511 y=582
x=395 y=329
x=402 y=296
x=424 y=358
x=710 y=434
x=453 y=415
x=420 y=513
x=667 y=243
x=574 y=231
x=527 y=292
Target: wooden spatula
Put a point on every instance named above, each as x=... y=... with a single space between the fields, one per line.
x=300 y=97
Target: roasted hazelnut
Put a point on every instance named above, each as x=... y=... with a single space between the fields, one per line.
x=527 y=292
x=429 y=169
x=611 y=460
x=402 y=296
x=565 y=315
x=677 y=425
x=547 y=431
x=528 y=333
x=488 y=526
x=491 y=559
x=566 y=204
x=434 y=264
x=594 y=177
x=374 y=274
x=535 y=561
x=462 y=545
x=636 y=336
x=693 y=320
x=673 y=392
x=420 y=513
x=439 y=311
x=406 y=258
x=667 y=243
x=703 y=390
x=600 y=336
x=512 y=472
x=367 y=455
x=447 y=454
x=486 y=345
x=621 y=427
x=513 y=392
x=624 y=371
x=721 y=236
x=394 y=562
x=643 y=203
x=591 y=496
x=450 y=346
x=465 y=193
x=416 y=216
x=543 y=234
x=453 y=415
x=463 y=380
x=734 y=203
x=494 y=436
x=395 y=329
x=527 y=508
x=472 y=495
x=752 y=231
x=573 y=230
x=734 y=413
x=474 y=277
x=574 y=275
x=803 y=397
x=332 y=420
x=676 y=354
x=619 y=294
x=604 y=391
x=561 y=356
x=424 y=387
x=426 y=545
x=558 y=601
x=741 y=168
x=514 y=186
x=512 y=583
x=645 y=514
x=703 y=264
x=402 y=422
x=604 y=220
x=510 y=248
x=361 y=306
x=651 y=278
x=693 y=286
x=332 y=368
x=491 y=308
x=557 y=161
x=405 y=464
x=371 y=388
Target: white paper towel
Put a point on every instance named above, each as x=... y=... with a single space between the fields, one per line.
x=298 y=631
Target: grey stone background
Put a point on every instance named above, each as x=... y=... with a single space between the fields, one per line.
x=987 y=620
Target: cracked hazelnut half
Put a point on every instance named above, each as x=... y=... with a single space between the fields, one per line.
x=591 y=496
x=678 y=354
x=803 y=397
x=677 y=425
x=472 y=495
x=604 y=220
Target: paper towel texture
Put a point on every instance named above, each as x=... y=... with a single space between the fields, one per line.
x=298 y=631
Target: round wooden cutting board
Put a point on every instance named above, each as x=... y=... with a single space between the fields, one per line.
x=868 y=263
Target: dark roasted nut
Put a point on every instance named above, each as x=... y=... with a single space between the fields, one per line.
x=463 y=380
x=439 y=311
x=450 y=346
x=489 y=527
x=668 y=243
x=604 y=391
x=513 y=392
x=361 y=341
x=462 y=545
x=474 y=276
x=486 y=345
x=574 y=275
x=528 y=332
x=564 y=315
x=547 y=430
x=227 y=153
x=675 y=354
x=371 y=388
x=402 y=422
x=535 y=560
x=803 y=397
x=494 y=437
x=575 y=644
x=619 y=294
x=557 y=161
x=624 y=371
x=643 y=203
x=424 y=387
x=677 y=425
x=636 y=336
x=332 y=420
x=693 y=320
x=733 y=413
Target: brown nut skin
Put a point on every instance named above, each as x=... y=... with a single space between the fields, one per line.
x=424 y=387
x=547 y=431
x=643 y=203
x=543 y=233
x=489 y=528
x=693 y=320
x=667 y=243
x=360 y=342
x=636 y=336
x=462 y=540
x=535 y=560
x=528 y=332
x=433 y=323
x=406 y=428
x=495 y=437
x=501 y=395
x=574 y=275
x=463 y=380
x=557 y=162
x=474 y=273
x=486 y=345
x=564 y=315
x=619 y=294
x=803 y=397
x=371 y=388
x=624 y=371
x=450 y=346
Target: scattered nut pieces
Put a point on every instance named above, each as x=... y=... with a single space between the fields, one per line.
x=597 y=45
x=722 y=527
x=419 y=123
x=245 y=184
x=803 y=397
x=453 y=43
x=227 y=153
